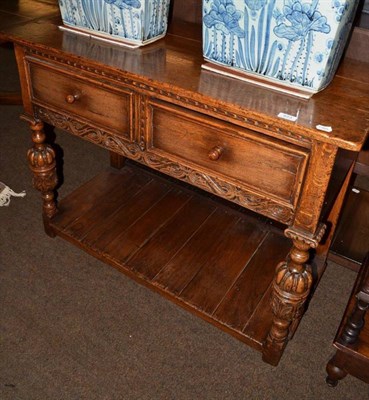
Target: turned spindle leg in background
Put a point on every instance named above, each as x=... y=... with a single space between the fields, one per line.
x=343 y=361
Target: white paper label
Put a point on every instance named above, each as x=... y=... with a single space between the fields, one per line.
x=324 y=128
x=287 y=116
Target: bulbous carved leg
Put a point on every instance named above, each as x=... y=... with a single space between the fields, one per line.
x=41 y=159
x=291 y=287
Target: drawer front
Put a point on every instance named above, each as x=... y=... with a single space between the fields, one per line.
x=250 y=160
x=101 y=106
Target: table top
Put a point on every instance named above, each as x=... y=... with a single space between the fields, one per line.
x=339 y=114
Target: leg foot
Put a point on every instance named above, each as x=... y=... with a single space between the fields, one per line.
x=335 y=373
x=116 y=160
x=330 y=382
x=47 y=227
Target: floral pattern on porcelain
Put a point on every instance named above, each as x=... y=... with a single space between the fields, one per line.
x=134 y=20
x=296 y=42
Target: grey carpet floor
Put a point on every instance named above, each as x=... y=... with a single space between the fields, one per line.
x=73 y=328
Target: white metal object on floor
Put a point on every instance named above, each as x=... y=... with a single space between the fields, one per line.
x=6 y=193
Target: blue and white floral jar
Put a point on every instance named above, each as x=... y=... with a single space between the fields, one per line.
x=134 y=22
x=292 y=44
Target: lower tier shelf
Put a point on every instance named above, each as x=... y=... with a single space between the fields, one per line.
x=211 y=259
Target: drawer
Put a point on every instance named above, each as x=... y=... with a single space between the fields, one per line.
x=252 y=161
x=100 y=106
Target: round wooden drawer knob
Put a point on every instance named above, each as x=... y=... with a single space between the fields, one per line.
x=71 y=98
x=215 y=153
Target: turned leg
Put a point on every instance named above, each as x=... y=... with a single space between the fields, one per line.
x=354 y=323
x=335 y=370
x=291 y=287
x=41 y=159
x=116 y=160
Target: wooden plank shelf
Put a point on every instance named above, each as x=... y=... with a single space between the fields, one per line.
x=214 y=260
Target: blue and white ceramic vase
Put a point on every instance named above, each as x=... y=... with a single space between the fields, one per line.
x=134 y=22
x=292 y=44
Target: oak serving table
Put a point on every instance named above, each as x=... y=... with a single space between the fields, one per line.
x=248 y=264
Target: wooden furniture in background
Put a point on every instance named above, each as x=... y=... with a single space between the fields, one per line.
x=248 y=264
x=352 y=339
x=19 y=12
x=351 y=241
x=10 y=98
x=357 y=48
x=362 y=163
